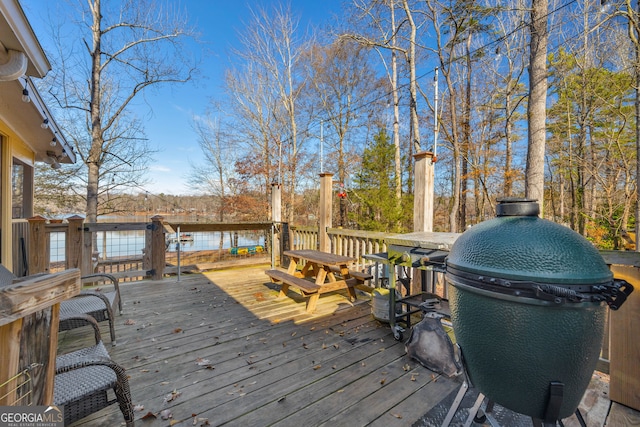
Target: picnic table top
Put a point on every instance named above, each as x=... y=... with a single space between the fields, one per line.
x=319 y=257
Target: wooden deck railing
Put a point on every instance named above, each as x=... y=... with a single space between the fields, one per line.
x=128 y=250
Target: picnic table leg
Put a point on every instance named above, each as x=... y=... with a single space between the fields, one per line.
x=321 y=276
x=293 y=263
x=283 y=290
x=352 y=293
x=311 y=304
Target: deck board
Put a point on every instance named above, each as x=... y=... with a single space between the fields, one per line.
x=263 y=359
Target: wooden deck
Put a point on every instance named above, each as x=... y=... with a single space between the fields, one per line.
x=221 y=348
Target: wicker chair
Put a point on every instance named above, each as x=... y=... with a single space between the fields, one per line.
x=84 y=377
x=97 y=304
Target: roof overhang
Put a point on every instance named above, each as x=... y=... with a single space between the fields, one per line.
x=26 y=118
x=16 y=34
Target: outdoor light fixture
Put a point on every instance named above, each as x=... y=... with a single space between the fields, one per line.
x=54 y=141
x=25 y=95
x=52 y=159
x=45 y=124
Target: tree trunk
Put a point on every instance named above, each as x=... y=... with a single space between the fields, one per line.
x=413 y=90
x=508 y=155
x=95 y=153
x=396 y=111
x=536 y=110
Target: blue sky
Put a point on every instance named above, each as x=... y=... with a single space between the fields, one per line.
x=169 y=111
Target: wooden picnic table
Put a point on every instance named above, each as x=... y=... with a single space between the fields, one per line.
x=328 y=272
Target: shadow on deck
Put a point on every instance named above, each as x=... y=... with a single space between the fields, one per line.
x=221 y=348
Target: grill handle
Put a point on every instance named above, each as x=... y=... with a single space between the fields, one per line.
x=614 y=294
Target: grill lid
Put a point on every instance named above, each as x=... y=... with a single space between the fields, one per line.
x=520 y=250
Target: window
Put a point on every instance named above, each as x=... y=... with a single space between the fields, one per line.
x=21 y=190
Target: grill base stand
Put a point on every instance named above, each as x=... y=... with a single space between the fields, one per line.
x=482 y=409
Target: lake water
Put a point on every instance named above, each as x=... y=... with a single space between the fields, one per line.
x=131 y=243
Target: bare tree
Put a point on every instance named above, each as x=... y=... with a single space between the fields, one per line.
x=382 y=33
x=213 y=174
x=271 y=46
x=342 y=79
x=123 y=50
x=253 y=106
x=509 y=67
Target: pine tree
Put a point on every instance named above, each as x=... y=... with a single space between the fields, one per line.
x=374 y=192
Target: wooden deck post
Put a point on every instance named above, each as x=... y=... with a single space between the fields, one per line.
x=276 y=217
x=422 y=206
x=423 y=192
x=158 y=247
x=75 y=242
x=38 y=246
x=326 y=196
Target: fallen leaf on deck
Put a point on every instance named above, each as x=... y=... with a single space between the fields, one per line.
x=315 y=368
x=406 y=368
x=204 y=421
x=177 y=330
x=397 y=416
x=166 y=414
x=172 y=396
x=204 y=362
x=149 y=415
x=173 y=422
x=336 y=346
x=144 y=370
x=259 y=296
x=130 y=322
x=281 y=399
x=382 y=381
x=138 y=408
